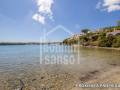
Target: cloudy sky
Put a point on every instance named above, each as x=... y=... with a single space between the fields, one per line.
x=27 y=20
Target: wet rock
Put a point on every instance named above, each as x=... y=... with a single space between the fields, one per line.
x=113 y=64
x=34 y=79
x=21 y=85
x=42 y=77
x=85 y=77
x=89 y=76
x=94 y=72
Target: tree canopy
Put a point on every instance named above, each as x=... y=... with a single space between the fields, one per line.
x=85 y=31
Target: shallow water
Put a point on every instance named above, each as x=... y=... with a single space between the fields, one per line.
x=26 y=63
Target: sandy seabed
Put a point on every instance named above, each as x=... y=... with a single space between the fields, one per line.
x=57 y=79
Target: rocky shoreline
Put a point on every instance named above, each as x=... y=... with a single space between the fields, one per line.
x=96 y=47
x=62 y=80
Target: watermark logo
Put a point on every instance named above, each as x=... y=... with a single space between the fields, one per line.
x=56 y=52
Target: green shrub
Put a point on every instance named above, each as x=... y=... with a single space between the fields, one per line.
x=116 y=42
x=95 y=43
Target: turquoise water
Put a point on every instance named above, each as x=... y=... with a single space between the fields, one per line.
x=23 y=62
x=10 y=56
x=19 y=55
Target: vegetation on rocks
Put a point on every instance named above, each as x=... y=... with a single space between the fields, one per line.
x=100 y=38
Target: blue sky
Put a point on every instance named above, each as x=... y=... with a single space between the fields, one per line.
x=27 y=20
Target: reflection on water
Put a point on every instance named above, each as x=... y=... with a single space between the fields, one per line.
x=22 y=64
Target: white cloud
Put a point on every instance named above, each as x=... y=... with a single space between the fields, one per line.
x=39 y=18
x=44 y=10
x=109 y=5
x=44 y=6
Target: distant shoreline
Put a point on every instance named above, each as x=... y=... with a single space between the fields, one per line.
x=19 y=44
x=27 y=43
